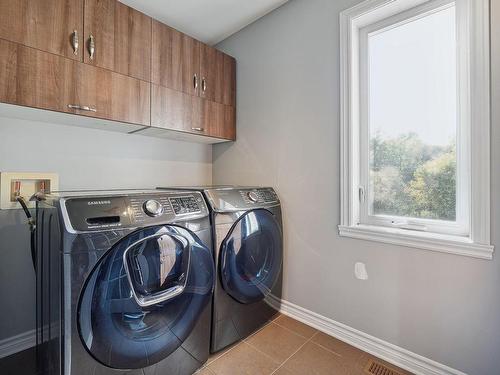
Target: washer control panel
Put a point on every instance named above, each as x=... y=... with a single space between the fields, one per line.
x=146 y=209
x=185 y=205
x=169 y=206
x=236 y=198
x=152 y=208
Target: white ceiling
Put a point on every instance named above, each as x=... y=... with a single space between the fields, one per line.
x=210 y=21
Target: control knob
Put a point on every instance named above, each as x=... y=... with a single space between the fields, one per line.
x=252 y=195
x=153 y=208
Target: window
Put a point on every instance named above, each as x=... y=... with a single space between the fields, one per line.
x=415 y=126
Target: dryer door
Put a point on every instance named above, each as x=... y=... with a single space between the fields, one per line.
x=143 y=298
x=251 y=256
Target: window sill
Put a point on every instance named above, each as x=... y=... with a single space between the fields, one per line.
x=420 y=240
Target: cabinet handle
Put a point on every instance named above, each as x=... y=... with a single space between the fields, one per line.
x=195 y=81
x=91 y=47
x=203 y=84
x=198 y=129
x=82 y=108
x=74 y=42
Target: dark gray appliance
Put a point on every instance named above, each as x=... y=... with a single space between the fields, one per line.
x=248 y=253
x=124 y=284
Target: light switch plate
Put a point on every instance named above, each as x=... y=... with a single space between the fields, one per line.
x=30 y=183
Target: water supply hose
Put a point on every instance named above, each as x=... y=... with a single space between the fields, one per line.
x=31 y=223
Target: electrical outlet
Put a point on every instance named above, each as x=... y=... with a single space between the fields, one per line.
x=14 y=184
x=360 y=271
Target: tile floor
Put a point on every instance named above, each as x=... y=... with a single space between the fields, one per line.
x=288 y=347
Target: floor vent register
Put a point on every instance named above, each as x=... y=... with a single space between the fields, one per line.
x=374 y=367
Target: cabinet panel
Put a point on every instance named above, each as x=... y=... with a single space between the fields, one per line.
x=229 y=126
x=121 y=37
x=100 y=23
x=47 y=25
x=113 y=96
x=229 y=81
x=171 y=109
x=175 y=59
x=218 y=120
x=212 y=73
x=218 y=70
x=34 y=78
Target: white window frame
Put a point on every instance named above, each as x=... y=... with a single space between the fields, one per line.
x=470 y=235
x=461 y=226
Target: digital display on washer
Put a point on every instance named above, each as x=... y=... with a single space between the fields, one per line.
x=184 y=205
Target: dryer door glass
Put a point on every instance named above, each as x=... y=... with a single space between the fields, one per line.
x=145 y=296
x=251 y=257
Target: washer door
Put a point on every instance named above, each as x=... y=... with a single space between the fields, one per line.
x=251 y=256
x=144 y=296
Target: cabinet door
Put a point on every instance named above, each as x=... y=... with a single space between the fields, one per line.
x=229 y=81
x=175 y=59
x=120 y=37
x=171 y=109
x=218 y=120
x=47 y=25
x=34 y=78
x=112 y=96
x=218 y=74
x=212 y=73
x=229 y=125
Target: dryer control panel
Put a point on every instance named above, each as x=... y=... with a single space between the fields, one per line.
x=237 y=199
x=140 y=209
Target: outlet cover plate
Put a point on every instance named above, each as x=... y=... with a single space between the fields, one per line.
x=28 y=186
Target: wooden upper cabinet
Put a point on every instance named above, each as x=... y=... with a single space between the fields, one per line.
x=38 y=79
x=172 y=109
x=127 y=67
x=218 y=120
x=113 y=96
x=175 y=59
x=48 y=25
x=218 y=75
x=175 y=110
x=33 y=78
x=117 y=38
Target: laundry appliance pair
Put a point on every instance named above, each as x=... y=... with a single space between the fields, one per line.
x=130 y=282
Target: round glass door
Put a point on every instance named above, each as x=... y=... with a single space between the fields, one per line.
x=251 y=257
x=144 y=297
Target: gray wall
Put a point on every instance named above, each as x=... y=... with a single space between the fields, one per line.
x=84 y=159
x=441 y=306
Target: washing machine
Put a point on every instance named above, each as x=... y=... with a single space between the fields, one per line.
x=248 y=254
x=124 y=282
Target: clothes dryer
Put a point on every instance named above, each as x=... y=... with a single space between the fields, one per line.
x=248 y=253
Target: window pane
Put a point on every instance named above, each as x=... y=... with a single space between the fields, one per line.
x=413 y=118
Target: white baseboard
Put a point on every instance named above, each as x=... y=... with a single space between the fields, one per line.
x=18 y=343
x=382 y=349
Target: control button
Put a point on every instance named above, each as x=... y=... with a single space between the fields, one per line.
x=153 y=208
x=252 y=195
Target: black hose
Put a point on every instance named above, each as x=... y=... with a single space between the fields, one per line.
x=31 y=223
x=33 y=249
x=23 y=204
